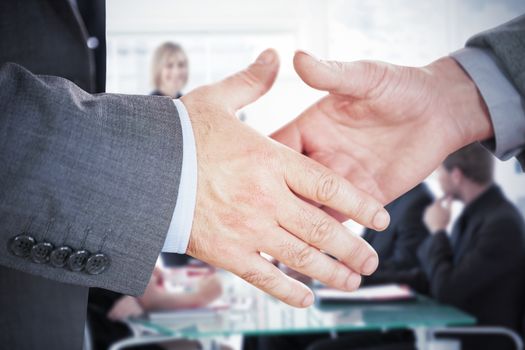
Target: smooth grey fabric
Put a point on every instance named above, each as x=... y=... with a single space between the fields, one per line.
x=507 y=44
x=69 y=161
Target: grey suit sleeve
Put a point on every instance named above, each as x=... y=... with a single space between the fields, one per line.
x=92 y=172
x=495 y=60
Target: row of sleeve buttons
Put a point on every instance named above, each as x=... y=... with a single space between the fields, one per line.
x=25 y=246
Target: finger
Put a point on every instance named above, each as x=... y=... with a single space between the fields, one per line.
x=289 y=135
x=303 y=258
x=248 y=85
x=313 y=181
x=357 y=79
x=320 y=230
x=262 y=274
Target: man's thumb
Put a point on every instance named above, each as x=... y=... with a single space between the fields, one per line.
x=356 y=79
x=248 y=85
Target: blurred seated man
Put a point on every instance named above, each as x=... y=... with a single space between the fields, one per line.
x=479 y=266
x=106 y=308
x=397 y=245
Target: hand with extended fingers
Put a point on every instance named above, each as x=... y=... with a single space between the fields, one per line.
x=252 y=197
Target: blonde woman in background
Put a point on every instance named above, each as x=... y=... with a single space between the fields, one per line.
x=169 y=70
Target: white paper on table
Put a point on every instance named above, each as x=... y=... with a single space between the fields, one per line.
x=380 y=292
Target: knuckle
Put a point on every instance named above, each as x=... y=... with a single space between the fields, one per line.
x=356 y=251
x=320 y=231
x=303 y=257
x=328 y=187
x=303 y=216
x=360 y=207
x=259 y=279
x=333 y=276
x=251 y=80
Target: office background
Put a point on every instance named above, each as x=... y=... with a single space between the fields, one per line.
x=221 y=37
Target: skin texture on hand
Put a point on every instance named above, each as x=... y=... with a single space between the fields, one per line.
x=249 y=198
x=437 y=215
x=385 y=127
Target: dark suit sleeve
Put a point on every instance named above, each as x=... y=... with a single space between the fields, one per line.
x=494 y=253
x=94 y=172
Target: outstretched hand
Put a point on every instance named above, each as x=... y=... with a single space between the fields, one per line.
x=385 y=127
x=249 y=198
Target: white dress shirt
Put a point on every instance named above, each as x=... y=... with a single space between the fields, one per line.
x=180 y=227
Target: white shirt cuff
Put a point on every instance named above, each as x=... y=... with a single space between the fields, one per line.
x=180 y=227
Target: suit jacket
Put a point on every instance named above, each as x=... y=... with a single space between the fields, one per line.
x=88 y=182
x=507 y=43
x=480 y=268
x=397 y=245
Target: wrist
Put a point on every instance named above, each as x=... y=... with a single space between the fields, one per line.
x=463 y=104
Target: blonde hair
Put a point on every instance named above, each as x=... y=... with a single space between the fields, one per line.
x=159 y=58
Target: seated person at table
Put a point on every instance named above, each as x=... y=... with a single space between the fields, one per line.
x=479 y=266
x=106 y=308
x=396 y=247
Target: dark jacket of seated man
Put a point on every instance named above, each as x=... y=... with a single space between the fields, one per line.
x=479 y=268
x=397 y=245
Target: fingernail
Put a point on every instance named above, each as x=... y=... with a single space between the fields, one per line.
x=266 y=57
x=353 y=281
x=308 y=300
x=381 y=220
x=308 y=53
x=370 y=265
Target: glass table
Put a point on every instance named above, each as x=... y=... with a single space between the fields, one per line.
x=248 y=311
